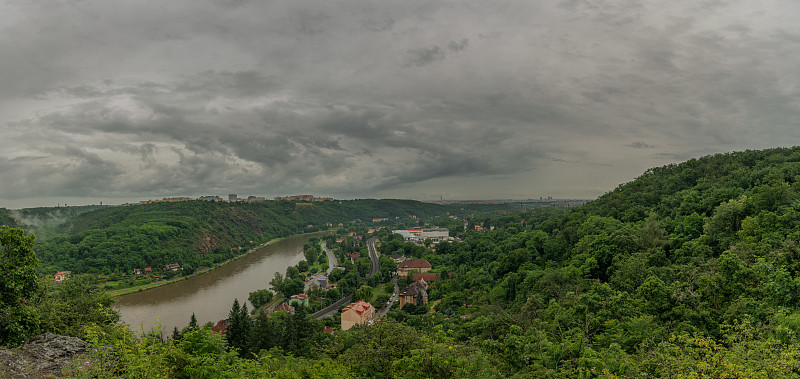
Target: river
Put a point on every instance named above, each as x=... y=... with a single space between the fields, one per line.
x=209 y=296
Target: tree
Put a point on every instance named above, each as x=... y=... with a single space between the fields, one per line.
x=291 y=287
x=73 y=307
x=193 y=321
x=298 y=332
x=302 y=266
x=292 y=272
x=176 y=334
x=18 y=285
x=238 y=331
x=363 y=293
x=260 y=297
x=276 y=282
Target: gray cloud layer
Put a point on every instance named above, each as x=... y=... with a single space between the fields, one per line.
x=474 y=99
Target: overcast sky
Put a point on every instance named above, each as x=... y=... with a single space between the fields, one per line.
x=115 y=101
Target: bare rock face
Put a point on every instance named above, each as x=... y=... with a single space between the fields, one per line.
x=41 y=357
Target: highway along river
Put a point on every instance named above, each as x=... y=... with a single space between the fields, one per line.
x=210 y=295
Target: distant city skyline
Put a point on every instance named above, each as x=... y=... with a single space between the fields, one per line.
x=77 y=202
x=121 y=101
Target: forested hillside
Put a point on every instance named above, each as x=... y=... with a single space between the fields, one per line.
x=691 y=270
x=197 y=233
x=680 y=271
x=6 y=218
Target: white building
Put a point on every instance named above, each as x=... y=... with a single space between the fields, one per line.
x=420 y=235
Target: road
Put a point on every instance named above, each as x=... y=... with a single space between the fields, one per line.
x=374 y=267
x=332 y=262
x=374 y=260
x=383 y=311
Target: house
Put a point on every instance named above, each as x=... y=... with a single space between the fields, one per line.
x=397 y=258
x=413 y=265
x=299 y=299
x=358 y=313
x=418 y=236
x=60 y=276
x=322 y=282
x=148 y=270
x=285 y=307
x=171 y=267
x=137 y=271
x=221 y=327
x=353 y=257
x=328 y=330
x=414 y=290
x=427 y=276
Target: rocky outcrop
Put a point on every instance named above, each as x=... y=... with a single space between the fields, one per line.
x=43 y=356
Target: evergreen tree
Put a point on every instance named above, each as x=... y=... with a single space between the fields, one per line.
x=193 y=321
x=299 y=331
x=176 y=334
x=238 y=332
x=265 y=333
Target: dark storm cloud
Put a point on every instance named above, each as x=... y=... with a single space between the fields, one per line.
x=274 y=97
x=458 y=46
x=425 y=55
x=640 y=145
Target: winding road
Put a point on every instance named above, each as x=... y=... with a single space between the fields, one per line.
x=374 y=265
x=332 y=262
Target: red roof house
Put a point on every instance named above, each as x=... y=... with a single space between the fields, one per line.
x=413 y=265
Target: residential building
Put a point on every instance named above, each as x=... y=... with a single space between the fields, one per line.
x=171 y=267
x=353 y=257
x=413 y=265
x=427 y=276
x=284 y=307
x=412 y=292
x=419 y=236
x=221 y=327
x=328 y=330
x=302 y=198
x=398 y=258
x=322 y=282
x=61 y=276
x=299 y=299
x=358 y=313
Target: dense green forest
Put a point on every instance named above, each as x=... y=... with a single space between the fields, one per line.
x=691 y=270
x=6 y=218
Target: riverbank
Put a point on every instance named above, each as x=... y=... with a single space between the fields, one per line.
x=148 y=286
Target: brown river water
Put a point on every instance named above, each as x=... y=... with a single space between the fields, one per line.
x=210 y=296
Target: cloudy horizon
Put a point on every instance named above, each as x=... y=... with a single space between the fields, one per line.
x=120 y=101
